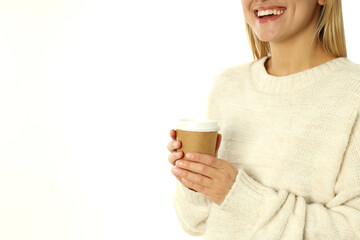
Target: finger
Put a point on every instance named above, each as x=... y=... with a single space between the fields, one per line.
x=194 y=186
x=218 y=142
x=193 y=177
x=178 y=178
x=198 y=168
x=205 y=159
x=174 y=156
x=174 y=145
x=173 y=134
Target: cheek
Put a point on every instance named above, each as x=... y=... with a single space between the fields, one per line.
x=246 y=10
x=246 y=3
x=305 y=12
x=248 y=19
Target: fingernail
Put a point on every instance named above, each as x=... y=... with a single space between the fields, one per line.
x=176 y=170
x=179 y=163
x=189 y=155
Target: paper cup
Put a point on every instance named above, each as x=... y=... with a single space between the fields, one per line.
x=197 y=135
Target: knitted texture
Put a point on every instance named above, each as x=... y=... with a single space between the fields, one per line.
x=295 y=140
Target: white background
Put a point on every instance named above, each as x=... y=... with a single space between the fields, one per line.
x=88 y=93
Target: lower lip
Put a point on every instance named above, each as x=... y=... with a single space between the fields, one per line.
x=267 y=19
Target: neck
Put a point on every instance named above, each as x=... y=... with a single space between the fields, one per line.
x=297 y=53
x=293 y=57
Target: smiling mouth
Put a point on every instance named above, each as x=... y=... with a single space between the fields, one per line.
x=269 y=13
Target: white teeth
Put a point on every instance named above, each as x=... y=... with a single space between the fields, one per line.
x=262 y=13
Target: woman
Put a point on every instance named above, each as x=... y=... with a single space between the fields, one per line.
x=289 y=162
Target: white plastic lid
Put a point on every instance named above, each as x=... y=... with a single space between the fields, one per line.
x=198 y=125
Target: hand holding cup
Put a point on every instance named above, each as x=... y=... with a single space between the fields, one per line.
x=194 y=156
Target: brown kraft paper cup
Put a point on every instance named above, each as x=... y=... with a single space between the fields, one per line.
x=197 y=136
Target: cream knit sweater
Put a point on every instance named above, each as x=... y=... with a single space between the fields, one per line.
x=296 y=142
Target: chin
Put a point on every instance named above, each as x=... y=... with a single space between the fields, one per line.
x=267 y=37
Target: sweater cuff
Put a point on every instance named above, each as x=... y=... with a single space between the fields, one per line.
x=194 y=197
x=247 y=197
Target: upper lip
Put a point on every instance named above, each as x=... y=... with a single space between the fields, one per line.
x=262 y=8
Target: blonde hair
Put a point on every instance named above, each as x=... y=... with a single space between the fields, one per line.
x=330 y=32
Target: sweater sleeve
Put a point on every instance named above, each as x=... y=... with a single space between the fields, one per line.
x=192 y=209
x=280 y=214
